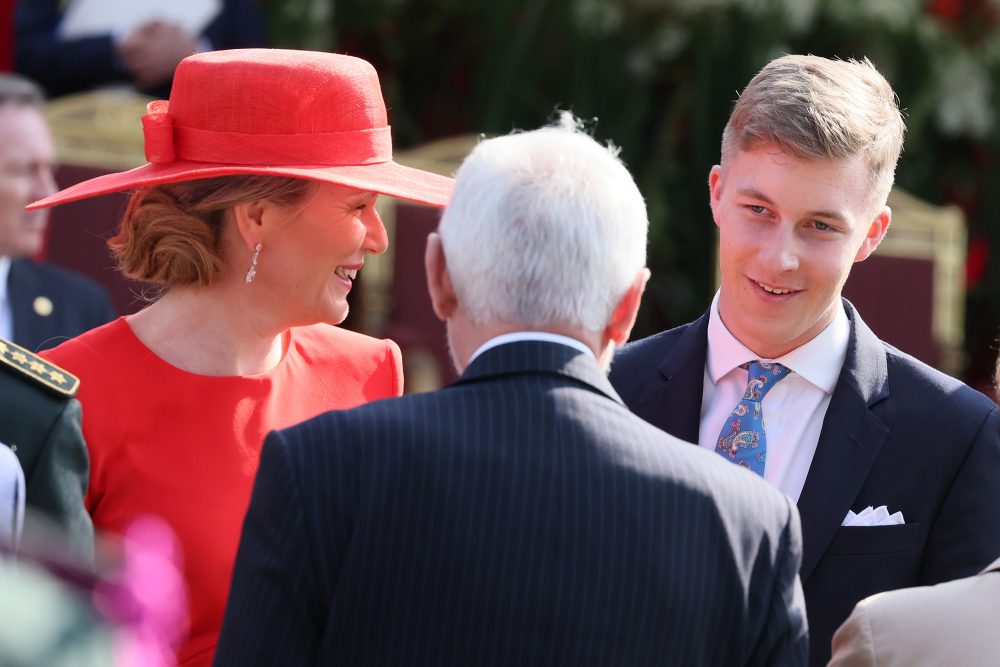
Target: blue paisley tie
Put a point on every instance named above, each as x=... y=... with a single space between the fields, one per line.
x=742 y=440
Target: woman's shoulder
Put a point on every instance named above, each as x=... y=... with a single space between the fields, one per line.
x=351 y=353
x=342 y=341
x=103 y=343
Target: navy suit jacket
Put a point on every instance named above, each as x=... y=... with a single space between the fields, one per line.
x=519 y=516
x=78 y=304
x=897 y=433
x=67 y=66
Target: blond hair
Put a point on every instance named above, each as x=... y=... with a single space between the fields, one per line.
x=170 y=234
x=820 y=109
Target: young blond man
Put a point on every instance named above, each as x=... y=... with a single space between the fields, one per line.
x=783 y=377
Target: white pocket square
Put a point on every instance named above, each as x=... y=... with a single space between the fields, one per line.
x=869 y=516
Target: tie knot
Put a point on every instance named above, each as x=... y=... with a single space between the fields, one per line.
x=761 y=376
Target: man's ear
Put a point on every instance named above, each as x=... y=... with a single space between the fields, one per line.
x=438 y=279
x=714 y=190
x=249 y=218
x=623 y=317
x=876 y=232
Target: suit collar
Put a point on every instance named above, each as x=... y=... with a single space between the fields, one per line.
x=688 y=355
x=675 y=405
x=535 y=356
x=22 y=285
x=992 y=567
x=849 y=444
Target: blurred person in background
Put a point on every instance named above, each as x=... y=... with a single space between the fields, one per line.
x=254 y=216
x=853 y=425
x=40 y=425
x=41 y=304
x=145 y=57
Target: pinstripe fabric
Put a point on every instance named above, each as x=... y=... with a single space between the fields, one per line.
x=520 y=516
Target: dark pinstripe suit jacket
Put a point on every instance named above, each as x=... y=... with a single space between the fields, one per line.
x=521 y=516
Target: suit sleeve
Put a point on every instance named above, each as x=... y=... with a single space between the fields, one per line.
x=786 y=633
x=273 y=616
x=61 y=66
x=853 y=643
x=59 y=481
x=965 y=536
x=238 y=26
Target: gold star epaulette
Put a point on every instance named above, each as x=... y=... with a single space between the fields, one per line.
x=33 y=366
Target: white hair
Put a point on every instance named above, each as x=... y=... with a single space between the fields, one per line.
x=545 y=227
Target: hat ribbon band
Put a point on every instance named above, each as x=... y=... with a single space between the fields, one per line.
x=165 y=142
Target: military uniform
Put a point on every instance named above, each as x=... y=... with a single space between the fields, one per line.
x=40 y=422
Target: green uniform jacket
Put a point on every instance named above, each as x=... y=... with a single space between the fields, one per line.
x=40 y=422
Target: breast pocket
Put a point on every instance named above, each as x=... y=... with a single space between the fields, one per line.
x=873 y=540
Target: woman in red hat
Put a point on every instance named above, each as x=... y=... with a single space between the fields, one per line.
x=254 y=216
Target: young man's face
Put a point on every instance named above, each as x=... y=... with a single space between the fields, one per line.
x=789 y=230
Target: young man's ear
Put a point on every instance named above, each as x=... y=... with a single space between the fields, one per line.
x=438 y=279
x=714 y=191
x=876 y=232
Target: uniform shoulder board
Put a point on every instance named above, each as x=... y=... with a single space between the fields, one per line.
x=19 y=360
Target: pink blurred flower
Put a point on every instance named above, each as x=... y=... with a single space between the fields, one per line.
x=147 y=598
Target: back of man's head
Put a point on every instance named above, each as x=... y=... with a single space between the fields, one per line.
x=820 y=109
x=17 y=90
x=545 y=228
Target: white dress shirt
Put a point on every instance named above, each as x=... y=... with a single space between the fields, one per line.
x=6 y=315
x=519 y=336
x=793 y=409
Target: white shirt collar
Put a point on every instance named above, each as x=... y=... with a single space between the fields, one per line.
x=520 y=336
x=819 y=361
x=6 y=319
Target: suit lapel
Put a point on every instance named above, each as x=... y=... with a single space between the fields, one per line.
x=21 y=285
x=675 y=405
x=539 y=357
x=849 y=444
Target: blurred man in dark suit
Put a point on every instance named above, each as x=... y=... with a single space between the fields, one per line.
x=40 y=304
x=522 y=515
x=145 y=57
x=853 y=425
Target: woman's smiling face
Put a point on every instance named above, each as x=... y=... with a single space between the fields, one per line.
x=309 y=261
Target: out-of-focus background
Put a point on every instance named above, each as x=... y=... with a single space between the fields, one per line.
x=657 y=78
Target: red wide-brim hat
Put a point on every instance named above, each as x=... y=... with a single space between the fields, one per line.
x=272 y=112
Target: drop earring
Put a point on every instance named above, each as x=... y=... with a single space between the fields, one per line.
x=252 y=271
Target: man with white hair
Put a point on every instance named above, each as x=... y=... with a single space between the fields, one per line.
x=521 y=515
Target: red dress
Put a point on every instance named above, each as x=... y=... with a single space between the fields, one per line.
x=185 y=447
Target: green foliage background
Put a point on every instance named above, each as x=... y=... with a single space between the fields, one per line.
x=658 y=78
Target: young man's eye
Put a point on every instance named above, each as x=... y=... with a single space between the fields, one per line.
x=821 y=226
x=756 y=209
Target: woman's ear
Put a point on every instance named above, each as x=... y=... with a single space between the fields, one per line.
x=249 y=218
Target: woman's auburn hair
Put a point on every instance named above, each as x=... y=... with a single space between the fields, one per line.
x=170 y=234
